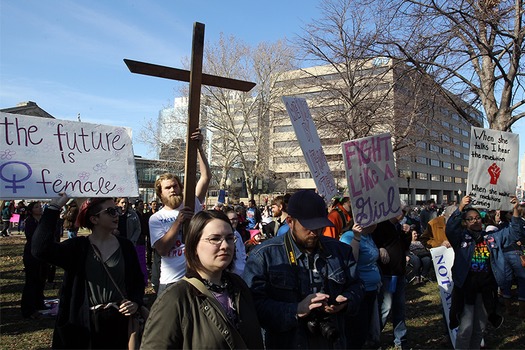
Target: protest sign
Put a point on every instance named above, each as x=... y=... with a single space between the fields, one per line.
x=41 y=157
x=370 y=170
x=310 y=143
x=443 y=259
x=493 y=168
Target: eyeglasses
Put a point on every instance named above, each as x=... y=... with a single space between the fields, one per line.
x=477 y=218
x=111 y=211
x=217 y=240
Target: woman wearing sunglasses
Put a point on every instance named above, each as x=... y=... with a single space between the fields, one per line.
x=210 y=308
x=103 y=283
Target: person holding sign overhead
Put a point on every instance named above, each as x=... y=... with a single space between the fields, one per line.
x=478 y=267
x=165 y=226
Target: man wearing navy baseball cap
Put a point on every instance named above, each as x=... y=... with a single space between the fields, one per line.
x=304 y=283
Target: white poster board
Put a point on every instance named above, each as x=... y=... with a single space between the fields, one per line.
x=310 y=143
x=372 y=184
x=41 y=157
x=443 y=259
x=492 y=168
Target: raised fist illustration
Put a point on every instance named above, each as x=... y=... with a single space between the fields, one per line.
x=494 y=172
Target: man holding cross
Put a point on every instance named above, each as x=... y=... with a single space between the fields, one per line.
x=166 y=224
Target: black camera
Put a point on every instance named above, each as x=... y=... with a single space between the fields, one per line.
x=322 y=323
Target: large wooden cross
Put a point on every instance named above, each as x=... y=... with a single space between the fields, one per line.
x=196 y=78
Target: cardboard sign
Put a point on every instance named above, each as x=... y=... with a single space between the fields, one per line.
x=372 y=183
x=443 y=259
x=310 y=143
x=492 y=168
x=41 y=157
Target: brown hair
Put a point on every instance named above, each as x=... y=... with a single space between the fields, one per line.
x=194 y=235
x=165 y=176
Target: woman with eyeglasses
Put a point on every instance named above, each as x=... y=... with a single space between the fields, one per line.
x=210 y=308
x=477 y=270
x=94 y=308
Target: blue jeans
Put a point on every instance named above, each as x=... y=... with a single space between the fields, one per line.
x=392 y=298
x=513 y=266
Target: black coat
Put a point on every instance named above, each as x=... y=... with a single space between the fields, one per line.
x=72 y=327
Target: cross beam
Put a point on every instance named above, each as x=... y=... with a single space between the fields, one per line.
x=196 y=78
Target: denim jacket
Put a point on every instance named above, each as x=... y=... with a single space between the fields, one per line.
x=278 y=287
x=463 y=245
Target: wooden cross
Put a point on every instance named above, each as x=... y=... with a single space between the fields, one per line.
x=196 y=78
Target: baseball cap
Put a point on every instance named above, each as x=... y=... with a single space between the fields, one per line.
x=310 y=209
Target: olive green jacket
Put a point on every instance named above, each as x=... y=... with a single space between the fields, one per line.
x=187 y=316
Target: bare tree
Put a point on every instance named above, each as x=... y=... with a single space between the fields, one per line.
x=358 y=92
x=240 y=121
x=472 y=48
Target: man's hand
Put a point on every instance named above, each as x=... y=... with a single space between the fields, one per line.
x=339 y=305
x=446 y=244
x=312 y=301
x=383 y=255
x=185 y=213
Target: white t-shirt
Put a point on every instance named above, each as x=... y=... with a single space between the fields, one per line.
x=173 y=265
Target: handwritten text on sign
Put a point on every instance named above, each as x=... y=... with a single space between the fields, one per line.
x=308 y=138
x=493 y=168
x=40 y=157
x=372 y=184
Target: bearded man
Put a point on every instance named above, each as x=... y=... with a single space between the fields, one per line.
x=304 y=284
x=166 y=224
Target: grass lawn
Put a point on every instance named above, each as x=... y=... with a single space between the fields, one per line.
x=426 y=329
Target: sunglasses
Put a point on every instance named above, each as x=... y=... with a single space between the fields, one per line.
x=111 y=211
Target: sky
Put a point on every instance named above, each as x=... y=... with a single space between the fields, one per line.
x=67 y=56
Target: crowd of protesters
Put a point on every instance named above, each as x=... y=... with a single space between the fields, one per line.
x=282 y=254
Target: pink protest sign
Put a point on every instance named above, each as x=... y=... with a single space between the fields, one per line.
x=372 y=184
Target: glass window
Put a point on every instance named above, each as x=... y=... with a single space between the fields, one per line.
x=466 y=145
x=447 y=178
x=421 y=160
x=458 y=180
x=447 y=165
x=465 y=132
x=434 y=162
x=435 y=177
x=445 y=151
x=421 y=176
x=445 y=138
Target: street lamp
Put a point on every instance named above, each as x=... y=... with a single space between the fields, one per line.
x=408 y=176
x=228 y=185
x=459 y=196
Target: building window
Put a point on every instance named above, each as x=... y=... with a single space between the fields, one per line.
x=283 y=128
x=435 y=177
x=421 y=144
x=465 y=133
x=421 y=160
x=434 y=162
x=456 y=141
x=284 y=144
x=457 y=154
x=458 y=167
x=445 y=138
x=434 y=148
x=445 y=124
x=465 y=156
x=445 y=151
x=421 y=176
x=447 y=178
x=455 y=116
x=447 y=165
x=458 y=180
x=455 y=129
x=466 y=145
